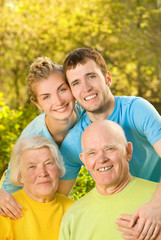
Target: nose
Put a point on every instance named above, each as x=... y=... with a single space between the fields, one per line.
x=102 y=157
x=86 y=85
x=42 y=171
x=57 y=100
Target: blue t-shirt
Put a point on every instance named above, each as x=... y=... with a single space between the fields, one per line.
x=36 y=127
x=142 y=126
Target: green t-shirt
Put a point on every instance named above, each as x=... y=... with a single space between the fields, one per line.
x=93 y=216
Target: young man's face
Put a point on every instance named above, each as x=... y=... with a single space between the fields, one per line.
x=89 y=86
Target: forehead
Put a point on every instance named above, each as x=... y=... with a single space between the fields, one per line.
x=54 y=80
x=83 y=68
x=100 y=136
x=36 y=155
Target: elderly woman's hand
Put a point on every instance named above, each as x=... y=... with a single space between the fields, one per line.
x=9 y=207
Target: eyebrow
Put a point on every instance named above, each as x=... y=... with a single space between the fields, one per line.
x=87 y=74
x=105 y=146
x=45 y=94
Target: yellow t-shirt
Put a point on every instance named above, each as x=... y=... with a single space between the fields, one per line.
x=40 y=221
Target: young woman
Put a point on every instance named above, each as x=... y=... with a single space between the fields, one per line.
x=51 y=94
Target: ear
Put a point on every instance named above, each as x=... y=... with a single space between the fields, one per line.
x=108 y=79
x=36 y=104
x=129 y=150
x=20 y=179
x=81 y=156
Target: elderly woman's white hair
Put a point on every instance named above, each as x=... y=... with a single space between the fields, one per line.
x=28 y=143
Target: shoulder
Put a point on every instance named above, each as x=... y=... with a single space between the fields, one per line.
x=128 y=100
x=81 y=204
x=62 y=198
x=134 y=102
x=37 y=126
x=144 y=187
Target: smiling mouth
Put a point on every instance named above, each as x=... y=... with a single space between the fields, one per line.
x=104 y=169
x=62 y=109
x=43 y=183
x=90 y=97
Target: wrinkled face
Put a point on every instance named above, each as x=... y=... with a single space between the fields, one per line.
x=54 y=97
x=39 y=174
x=89 y=87
x=105 y=158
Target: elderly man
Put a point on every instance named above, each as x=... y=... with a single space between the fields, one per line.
x=36 y=164
x=106 y=154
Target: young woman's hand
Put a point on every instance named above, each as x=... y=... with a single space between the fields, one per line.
x=9 y=207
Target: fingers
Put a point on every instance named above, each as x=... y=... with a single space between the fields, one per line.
x=140 y=231
x=134 y=219
x=2 y=213
x=127 y=220
x=150 y=231
x=129 y=233
x=156 y=232
x=12 y=210
x=9 y=206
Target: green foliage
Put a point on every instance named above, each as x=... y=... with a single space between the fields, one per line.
x=12 y=122
x=84 y=183
x=127 y=33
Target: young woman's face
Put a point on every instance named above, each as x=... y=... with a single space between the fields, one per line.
x=54 y=97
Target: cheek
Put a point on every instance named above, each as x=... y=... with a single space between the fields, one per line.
x=69 y=96
x=54 y=173
x=90 y=165
x=30 y=177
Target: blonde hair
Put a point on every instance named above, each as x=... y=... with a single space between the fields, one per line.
x=39 y=70
x=30 y=143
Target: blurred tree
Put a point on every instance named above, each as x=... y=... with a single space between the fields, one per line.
x=127 y=33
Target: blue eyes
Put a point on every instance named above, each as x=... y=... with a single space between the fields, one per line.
x=62 y=90
x=75 y=83
x=46 y=97
x=92 y=76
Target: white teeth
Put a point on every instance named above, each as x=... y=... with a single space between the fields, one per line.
x=62 y=109
x=104 y=169
x=90 y=97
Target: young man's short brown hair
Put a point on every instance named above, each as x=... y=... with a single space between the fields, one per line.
x=81 y=55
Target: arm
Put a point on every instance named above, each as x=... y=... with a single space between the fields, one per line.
x=65 y=186
x=9 y=206
x=157 y=147
x=149 y=215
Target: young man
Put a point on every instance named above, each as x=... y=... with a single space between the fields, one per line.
x=106 y=154
x=87 y=74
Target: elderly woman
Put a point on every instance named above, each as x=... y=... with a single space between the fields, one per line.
x=36 y=164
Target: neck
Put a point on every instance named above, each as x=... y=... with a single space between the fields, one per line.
x=104 y=112
x=60 y=128
x=40 y=198
x=109 y=190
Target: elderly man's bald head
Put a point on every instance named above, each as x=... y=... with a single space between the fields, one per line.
x=97 y=128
